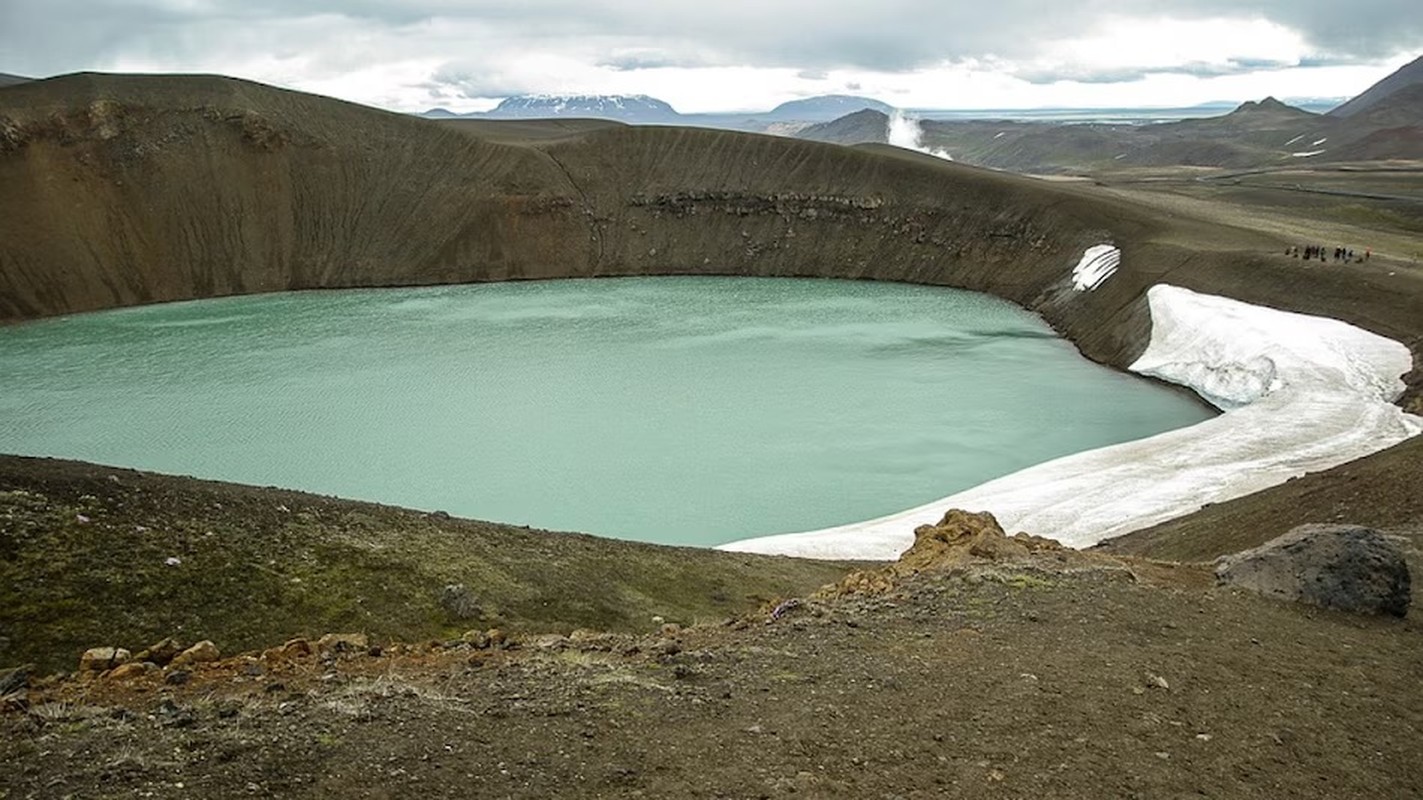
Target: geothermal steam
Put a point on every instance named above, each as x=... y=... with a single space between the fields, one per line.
x=907 y=132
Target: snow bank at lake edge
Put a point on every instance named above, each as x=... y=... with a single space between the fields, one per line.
x=1301 y=394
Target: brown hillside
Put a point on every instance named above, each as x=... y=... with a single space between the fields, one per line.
x=134 y=189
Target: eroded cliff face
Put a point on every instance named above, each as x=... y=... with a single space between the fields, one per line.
x=120 y=190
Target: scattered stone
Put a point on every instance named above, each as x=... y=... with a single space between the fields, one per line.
x=296 y=648
x=171 y=715
x=671 y=629
x=342 y=643
x=129 y=671
x=160 y=653
x=497 y=637
x=18 y=700
x=200 y=653
x=1345 y=567
x=551 y=641
x=177 y=677
x=1157 y=681
x=100 y=659
x=479 y=640
x=667 y=647
x=173 y=561
x=15 y=678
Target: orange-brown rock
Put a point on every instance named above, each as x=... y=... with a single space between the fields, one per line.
x=129 y=671
x=161 y=652
x=199 y=653
x=962 y=535
x=960 y=538
x=98 y=659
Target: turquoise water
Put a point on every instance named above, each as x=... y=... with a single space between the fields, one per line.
x=678 y=410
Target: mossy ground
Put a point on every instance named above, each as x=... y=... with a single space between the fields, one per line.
x=91 y=555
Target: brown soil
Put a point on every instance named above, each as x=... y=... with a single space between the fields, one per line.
x=1013 y=679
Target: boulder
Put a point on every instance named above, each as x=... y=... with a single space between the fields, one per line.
x=199 y=653
x=1345 y=567
x=99 y=659
x=460 y=602
x=160 y=653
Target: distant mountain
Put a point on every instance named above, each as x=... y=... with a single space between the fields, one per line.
x=439 y=113
x=862 y=127
x=11 y=80
x=1255 y=134
x=824 y=108
x=1410 y=75
x=1269 y=108
x=637 y=108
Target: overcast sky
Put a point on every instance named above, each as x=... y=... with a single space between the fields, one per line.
x=721 y=55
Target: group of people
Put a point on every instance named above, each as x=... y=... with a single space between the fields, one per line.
x=1323 y=253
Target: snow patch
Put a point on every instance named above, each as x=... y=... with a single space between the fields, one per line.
x=1098 y=263
x=907 y=132
x=1319 y=142
x=1307 y=153
x=1300 y=394
x=1296 y=139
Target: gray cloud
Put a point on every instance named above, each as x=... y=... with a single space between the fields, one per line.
x=1121 y=75
x=648 y=59
x=812 y=36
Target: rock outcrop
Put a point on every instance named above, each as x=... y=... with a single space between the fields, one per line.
x=959 y=539
x=1344 y=567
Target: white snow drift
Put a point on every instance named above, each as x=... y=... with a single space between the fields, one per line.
x=1099 y=263
x=1300 y=394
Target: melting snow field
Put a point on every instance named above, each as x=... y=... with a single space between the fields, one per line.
x=1300 y=394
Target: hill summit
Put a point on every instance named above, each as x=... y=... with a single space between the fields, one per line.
x=826 y=108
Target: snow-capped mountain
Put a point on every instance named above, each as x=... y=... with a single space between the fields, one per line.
x=624 y=108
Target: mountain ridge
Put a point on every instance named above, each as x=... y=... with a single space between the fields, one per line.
x=1410 y=74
